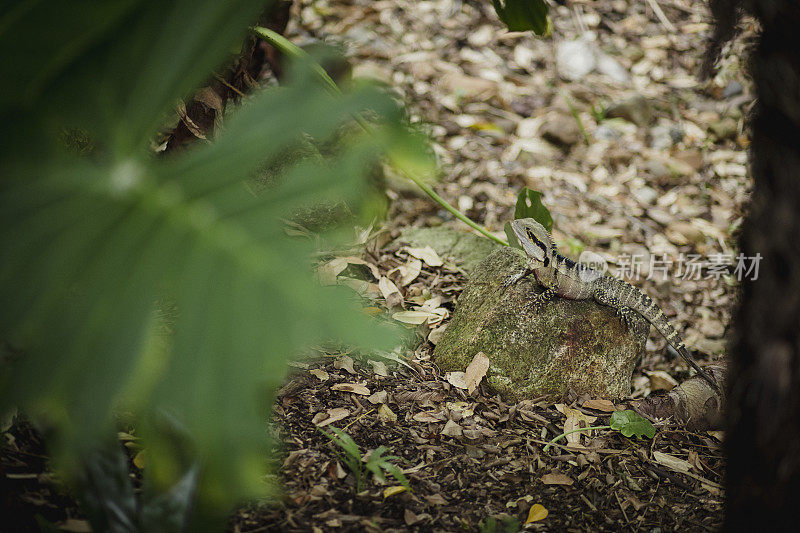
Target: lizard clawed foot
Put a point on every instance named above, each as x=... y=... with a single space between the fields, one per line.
x=536 y=303
x=516 y=278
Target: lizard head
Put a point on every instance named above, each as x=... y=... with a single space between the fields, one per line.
x=535 y=240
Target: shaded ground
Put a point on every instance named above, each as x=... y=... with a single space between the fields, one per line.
x=667 y=187
x=498 y=110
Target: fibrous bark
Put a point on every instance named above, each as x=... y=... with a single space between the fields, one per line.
x=763 y=428
x=200 y=116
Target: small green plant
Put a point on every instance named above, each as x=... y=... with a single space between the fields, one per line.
x=576 y=116
x=377 y=463
x=495 y=524
x=626 y=422
x=598 y=112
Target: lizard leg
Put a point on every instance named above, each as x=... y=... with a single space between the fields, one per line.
x=627 y=317
x=625 y=314
x=538 y=301
x=604 y=298
x=519 y=276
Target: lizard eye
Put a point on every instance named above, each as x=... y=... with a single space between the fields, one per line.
x=530 y=235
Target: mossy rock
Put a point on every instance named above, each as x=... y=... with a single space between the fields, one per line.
x=467 y=249
x=566 y=345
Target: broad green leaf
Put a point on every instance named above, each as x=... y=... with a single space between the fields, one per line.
x=629 y=423
x=529 y=205
x=93 y=249
x=115 y=68
x=523 y=15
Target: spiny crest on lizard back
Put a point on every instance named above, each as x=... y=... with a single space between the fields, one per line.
x=535 y=240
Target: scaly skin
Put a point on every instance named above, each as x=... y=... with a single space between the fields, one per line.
x=560 y=276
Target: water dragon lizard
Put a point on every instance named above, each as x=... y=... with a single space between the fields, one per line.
x=560 y=276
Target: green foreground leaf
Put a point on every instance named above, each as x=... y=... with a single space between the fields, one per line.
x=166 y=288
x=523 y=15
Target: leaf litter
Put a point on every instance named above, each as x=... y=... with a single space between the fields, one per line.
x=661 y=171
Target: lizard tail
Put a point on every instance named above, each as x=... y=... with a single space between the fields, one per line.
x=684 y=353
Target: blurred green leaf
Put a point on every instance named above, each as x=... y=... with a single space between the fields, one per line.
x=529 y=205
x=523 y=15
x=166 y=286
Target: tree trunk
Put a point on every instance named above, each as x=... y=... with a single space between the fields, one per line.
x=763 y=428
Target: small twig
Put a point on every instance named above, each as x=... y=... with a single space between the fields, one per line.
x=224 y=82
x=587 y=502
x=357 y=419
x=661 y=16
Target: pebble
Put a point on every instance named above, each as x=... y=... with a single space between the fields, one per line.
x=636 y=109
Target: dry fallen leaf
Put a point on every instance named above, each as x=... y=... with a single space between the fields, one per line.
x=555 y=478
x=355 y=388
x=575 y=420
x=672 y=462
x=327 y=272
x=660 y=380
x=379 y=367
x=414 y=317
x=140 y=459
x=537 y=512
x=452 y=429
x=386 y=414
x=391 y=491
x=428 y=417
x=358 y=261
x=330 y=416
x=410 y=271
x=475 y=371
x=378 y=397
x=456 y=379
x=427 y=254
x=390 y=292
x=319 y=374
x=436 y=334
x=607 y=406
x=344 y=363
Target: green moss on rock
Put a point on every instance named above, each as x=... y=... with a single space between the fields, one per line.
x=567 y=345
x=467 y=249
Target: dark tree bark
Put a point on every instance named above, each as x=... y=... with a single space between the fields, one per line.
x=201 y=115
x=763 y=427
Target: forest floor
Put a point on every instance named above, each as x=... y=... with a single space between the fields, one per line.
x=656 y=169
x=653 y=167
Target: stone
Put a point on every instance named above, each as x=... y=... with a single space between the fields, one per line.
x=636 y=109
x=466 y=249
x=561 y=130
x=724 y=129
x=575 y=59
x=610 y=67
x=566 y=345
x=734 y=88
x=606 y=133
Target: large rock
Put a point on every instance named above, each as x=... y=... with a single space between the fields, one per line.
x=567 y=345
x=466 y=249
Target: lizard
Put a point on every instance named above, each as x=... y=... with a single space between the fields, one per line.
x=563 y=277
